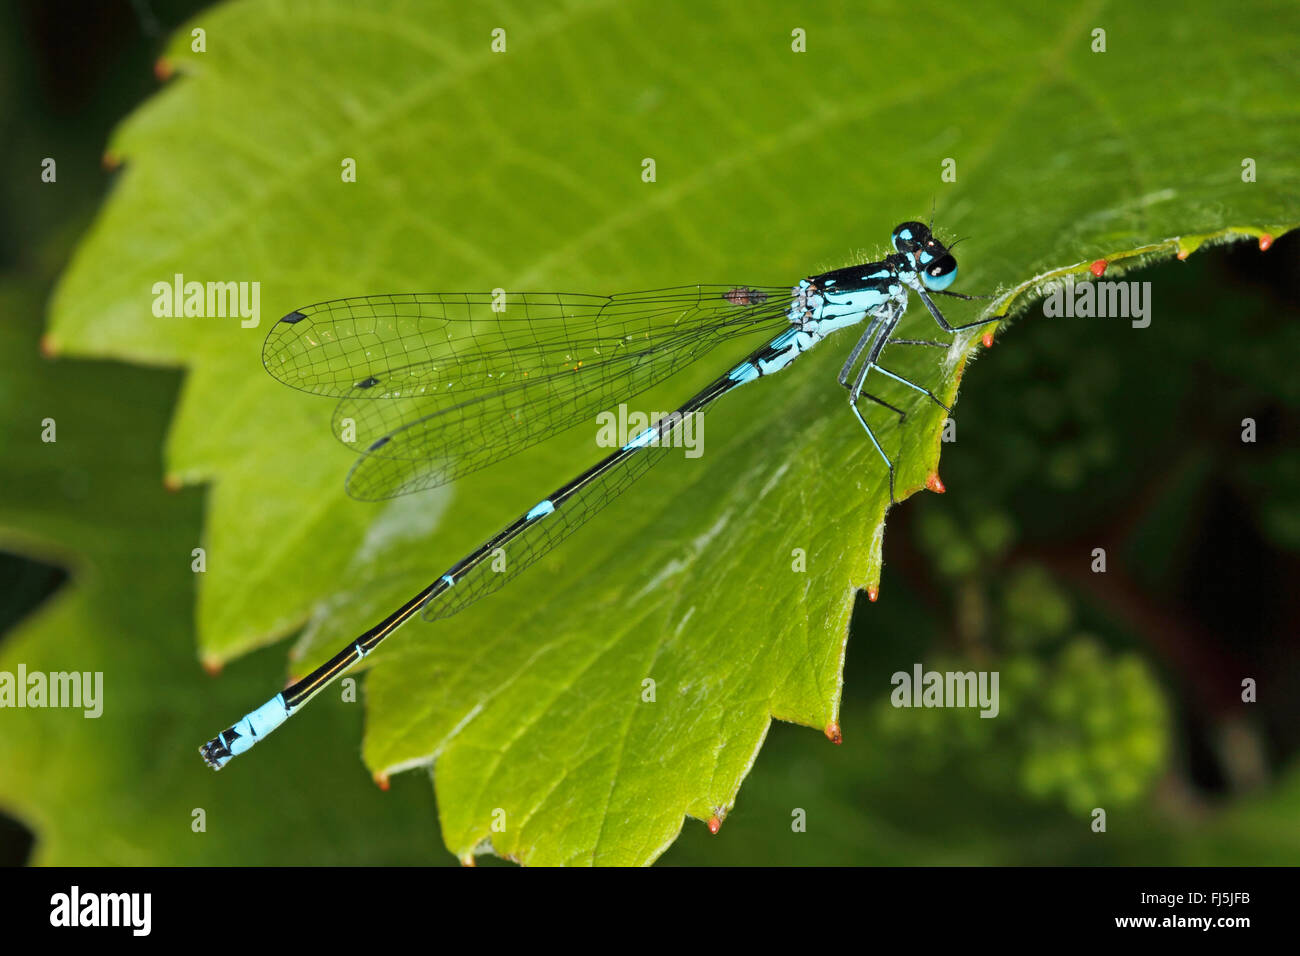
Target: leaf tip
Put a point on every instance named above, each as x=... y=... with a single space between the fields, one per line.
x=1265 y=240
x=49 y=346
x=715 y=824
x=987 y=340
x=934 y=484
x=1098 y=267
x=212 y=666
x=833 y=733
x=872 y=594
x=172 y=483
x=110 y=160
x=163 y=70
x=468 y=860
x=382 y=782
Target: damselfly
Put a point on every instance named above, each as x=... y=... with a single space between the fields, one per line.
x=437 y=386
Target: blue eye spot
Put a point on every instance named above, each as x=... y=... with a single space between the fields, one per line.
x=942 y=281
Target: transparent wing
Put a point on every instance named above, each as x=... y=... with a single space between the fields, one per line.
x=432 y=387
x=522 y=545
x=527 y=540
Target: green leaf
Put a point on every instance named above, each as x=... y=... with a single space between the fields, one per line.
x=522 y=170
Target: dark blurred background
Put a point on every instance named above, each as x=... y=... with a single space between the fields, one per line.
x=1129 y=440
x=69 y=72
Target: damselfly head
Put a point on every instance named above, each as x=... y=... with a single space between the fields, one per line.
x=929 y=256
x=910 y=236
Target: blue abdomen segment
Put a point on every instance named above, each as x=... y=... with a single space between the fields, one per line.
x=640 y=441
x=258 y=724
x=745 y=372
x=540 y=509
x=245 y=733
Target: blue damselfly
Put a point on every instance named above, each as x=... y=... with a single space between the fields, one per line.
x=436 y=386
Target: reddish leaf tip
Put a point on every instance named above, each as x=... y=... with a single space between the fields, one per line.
x=934 y=484
x=212 y=666
x=987 y=340
x=1264 y=242
x=715 y=824
x=162 y=70
x=381 y=781
x=111 y=161
x=873 y=593
x=1183 y=254
x=1098 y=267
x=49 y=347
x=833 y=733
x=172 y=483
x=468 y=860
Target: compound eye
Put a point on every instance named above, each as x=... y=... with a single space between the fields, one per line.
x=940 y=274
x=910 y=235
